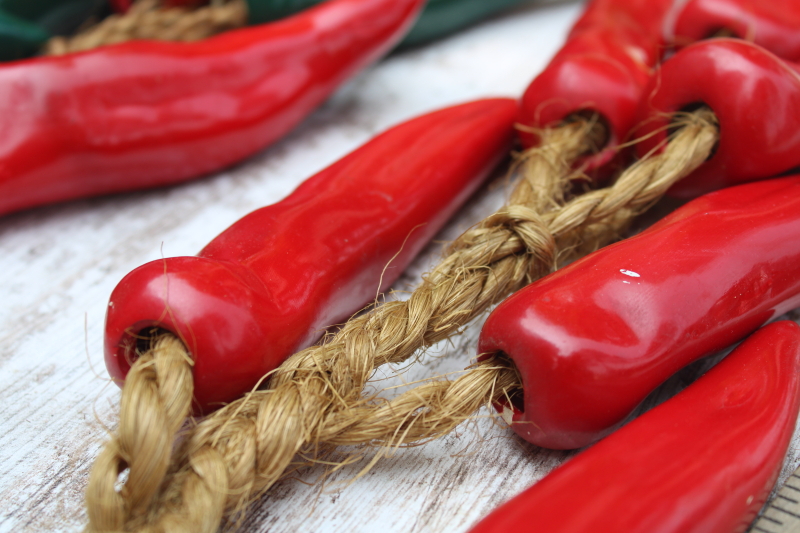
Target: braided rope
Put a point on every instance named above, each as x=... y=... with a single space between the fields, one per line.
x=146 y=19
x=316 y=397
x=155 y=402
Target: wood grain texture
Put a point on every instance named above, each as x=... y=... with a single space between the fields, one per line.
x=59 y=265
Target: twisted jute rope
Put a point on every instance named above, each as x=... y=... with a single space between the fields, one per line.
x=161 y=377
x=147 y=19
x=315 y=401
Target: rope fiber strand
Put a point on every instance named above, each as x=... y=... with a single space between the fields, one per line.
x=156 y=400
x=315 y=401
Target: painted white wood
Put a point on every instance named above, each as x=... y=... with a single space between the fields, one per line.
x=59 y=264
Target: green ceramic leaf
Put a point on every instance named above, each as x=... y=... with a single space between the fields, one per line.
x=58 y=17
x=439 y=18
x=267 y=10
x=443 y=17
x=19 y=38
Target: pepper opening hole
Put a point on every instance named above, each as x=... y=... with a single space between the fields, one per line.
x=688 y=114
x=512 y=394
x=144 y=341
x=598 y=129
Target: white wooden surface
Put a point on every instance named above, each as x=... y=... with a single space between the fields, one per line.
x=59 y=264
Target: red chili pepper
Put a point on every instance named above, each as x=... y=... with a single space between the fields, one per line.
x=146 y=114
x=756 y=97
x=774 y=25
x=269 y=285
x=603 y=67
x=591 y=341
x=703 y=462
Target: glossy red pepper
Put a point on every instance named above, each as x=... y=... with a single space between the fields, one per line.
x=775 y=25
x=145 y=113
x=603 y=67
x=591 y=341
x=756 y=97
x=702 y=462
x=270 y=284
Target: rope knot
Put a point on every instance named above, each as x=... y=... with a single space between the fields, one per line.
x=534 y=234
